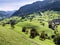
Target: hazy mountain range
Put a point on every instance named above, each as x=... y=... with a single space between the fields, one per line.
x=35 y=7
x=6 y=14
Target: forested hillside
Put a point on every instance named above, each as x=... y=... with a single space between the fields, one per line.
x=39 y=6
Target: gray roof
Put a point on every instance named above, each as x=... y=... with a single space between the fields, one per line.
x=56 y=21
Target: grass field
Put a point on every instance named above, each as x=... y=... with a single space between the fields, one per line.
x=9 y=36
x=17 y=37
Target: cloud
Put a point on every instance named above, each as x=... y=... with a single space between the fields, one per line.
x=14 y=4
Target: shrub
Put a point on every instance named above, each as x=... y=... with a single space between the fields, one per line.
x=57 y=39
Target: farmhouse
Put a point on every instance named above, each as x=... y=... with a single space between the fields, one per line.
x=55 y=21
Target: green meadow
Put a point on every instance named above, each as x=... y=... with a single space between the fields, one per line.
x=9 y=36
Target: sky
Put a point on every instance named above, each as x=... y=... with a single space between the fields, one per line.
x=9 y=5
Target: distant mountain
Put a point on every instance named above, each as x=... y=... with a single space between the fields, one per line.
x=9 y=13
x=38 y=7
x=5 y=14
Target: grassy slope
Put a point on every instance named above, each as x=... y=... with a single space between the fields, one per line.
x=46 y=42
x=10 y=37
x=16 y=37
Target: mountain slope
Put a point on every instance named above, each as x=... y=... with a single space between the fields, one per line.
x=10 y=37
x=30 y=8
x=53 y=6
x=2 y=13
x=38 y=7
x=5 y=14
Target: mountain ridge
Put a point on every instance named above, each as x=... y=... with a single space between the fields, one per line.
x=6 y=14
x=38 y=6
